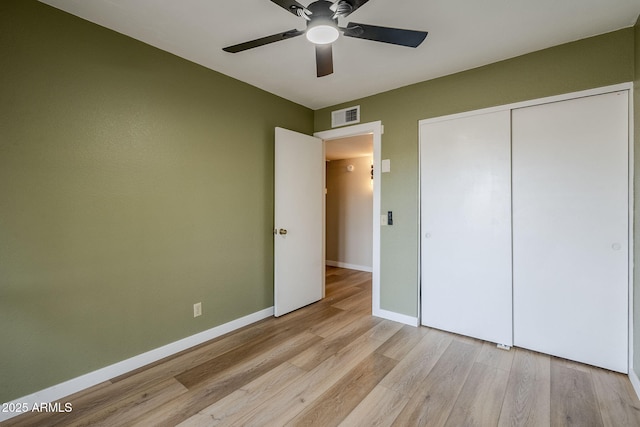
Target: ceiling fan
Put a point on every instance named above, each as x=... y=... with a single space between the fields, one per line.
x=322 y=30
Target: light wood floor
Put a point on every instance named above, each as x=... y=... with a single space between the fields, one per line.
x=332 y=363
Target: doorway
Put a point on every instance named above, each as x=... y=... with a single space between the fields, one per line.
x=349 y=202
x=374 y=130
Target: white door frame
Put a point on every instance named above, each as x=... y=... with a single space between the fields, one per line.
x=374 y=128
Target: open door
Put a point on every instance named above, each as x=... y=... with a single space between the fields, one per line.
x=298 y=221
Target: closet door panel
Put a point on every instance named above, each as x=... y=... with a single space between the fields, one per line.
x=466 y=226
x=570 y=229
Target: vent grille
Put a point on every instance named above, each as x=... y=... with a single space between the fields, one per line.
x=345 y=116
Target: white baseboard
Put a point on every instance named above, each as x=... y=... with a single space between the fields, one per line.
x=396 y=317
x=635 y=381
x=59 y=391
x=349 y=266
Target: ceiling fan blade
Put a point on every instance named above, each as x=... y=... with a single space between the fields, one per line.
x=324 y=59
x=263 y=41
x=409 y=38
x=291 y=5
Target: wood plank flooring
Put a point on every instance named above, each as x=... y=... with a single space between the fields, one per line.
x=333 y=364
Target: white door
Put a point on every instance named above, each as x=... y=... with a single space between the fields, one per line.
x=570 y=229
x=299 y=221
x=466 y=225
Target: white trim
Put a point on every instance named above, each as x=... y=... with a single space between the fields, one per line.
x=532 y=102
x=91 y=379
x=631 y=236
x=374 y=128
x=635 y=382
x=324 y=219
x=396 y=317
x=419 y=261
x=349 y=266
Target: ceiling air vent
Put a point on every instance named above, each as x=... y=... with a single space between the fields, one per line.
x=345 y=116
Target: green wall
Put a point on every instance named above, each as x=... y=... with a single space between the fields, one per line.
x=597 y=61
x=133 y=184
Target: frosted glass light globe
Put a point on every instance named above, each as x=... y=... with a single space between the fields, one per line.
x=322 y=34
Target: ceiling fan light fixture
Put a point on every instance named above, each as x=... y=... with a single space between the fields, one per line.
x=323 y=29
x=322 y=34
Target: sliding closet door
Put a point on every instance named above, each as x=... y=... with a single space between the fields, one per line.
x=466 y=226
x=570 y=229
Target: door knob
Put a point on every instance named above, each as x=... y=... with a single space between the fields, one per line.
x=282 y=231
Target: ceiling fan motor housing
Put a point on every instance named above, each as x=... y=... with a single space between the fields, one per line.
x=321 y=8
x=321 y=13
x=322 y=27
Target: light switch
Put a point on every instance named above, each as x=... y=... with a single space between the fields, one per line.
x=385 y=166
x=383 y=220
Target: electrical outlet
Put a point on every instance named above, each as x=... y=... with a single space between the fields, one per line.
x=197 y=309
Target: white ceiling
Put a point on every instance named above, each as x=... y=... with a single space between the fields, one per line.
x=463 y=34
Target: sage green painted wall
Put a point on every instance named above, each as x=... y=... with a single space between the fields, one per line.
x=133 y=184
x=589 y=63
x=636 y=213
